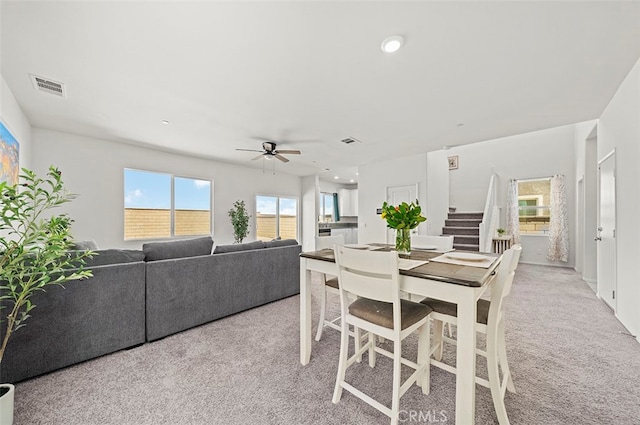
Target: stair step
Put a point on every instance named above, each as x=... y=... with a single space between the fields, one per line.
x=462 y=222
x=460 y=231
x=466 y=247
x=468 y=240
x=474 y=215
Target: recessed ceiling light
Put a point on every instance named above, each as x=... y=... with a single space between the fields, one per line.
x=352 y=181
x=165 y=122
x=336 y=177
x=392 y=43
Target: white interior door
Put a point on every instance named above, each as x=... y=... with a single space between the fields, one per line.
x=606 y=235
x=397 y=195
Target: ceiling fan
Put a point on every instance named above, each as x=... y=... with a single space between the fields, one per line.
x=269 y=151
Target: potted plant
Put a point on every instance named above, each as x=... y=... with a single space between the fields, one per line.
x=403 y=218
x=500 y=231
x=33 y=255
x=239 y=221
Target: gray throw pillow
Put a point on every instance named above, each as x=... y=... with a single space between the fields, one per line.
x=155 y=251
x=106 y=257
x=84 y=246
x=282 y=242
x=222 y=249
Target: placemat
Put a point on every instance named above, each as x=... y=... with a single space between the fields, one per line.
x=406 y=264
x=483 y=264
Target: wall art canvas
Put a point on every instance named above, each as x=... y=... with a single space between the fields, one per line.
x=9 y=156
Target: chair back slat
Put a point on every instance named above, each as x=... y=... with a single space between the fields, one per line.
x=368 y=274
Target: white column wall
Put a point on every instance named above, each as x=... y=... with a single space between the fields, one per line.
x=619 y=129
x=437 y=202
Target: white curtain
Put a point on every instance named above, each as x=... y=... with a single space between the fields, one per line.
x=559 y=223
x=513 y=216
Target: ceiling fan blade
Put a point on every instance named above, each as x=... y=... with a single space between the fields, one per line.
x=248 y=150
x=289 y=151
x=281 y=158
x=257 y=157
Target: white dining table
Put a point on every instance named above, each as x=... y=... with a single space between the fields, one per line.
x=462 y=285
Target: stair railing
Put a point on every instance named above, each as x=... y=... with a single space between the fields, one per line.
x=490 y=215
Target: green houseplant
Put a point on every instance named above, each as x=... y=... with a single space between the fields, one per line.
x=33 y=254
x=239 y=221
x=403 y=218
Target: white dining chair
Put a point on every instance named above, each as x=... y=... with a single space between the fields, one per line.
x=330 y=284
x=490 y=321
x=373 y=277
x=441 y=243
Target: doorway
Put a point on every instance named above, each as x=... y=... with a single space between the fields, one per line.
x=397 y=195
x=606 y=235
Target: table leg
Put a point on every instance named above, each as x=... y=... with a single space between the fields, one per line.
x=305 y=313
x=466 y=360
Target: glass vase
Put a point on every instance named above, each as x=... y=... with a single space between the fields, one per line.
x=403 y=241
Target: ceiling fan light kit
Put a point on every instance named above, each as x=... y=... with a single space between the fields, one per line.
x=269 y=151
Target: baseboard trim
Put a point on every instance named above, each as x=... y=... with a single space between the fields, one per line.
x=591 y=281
x=547 y=264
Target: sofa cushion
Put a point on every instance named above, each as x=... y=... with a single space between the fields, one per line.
x=221 y=249
x=177 y=249
x=280 y=242
x=105 y=257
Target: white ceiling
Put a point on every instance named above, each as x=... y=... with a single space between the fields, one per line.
x=310 y=73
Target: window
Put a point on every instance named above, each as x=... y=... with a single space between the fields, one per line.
x=276 y=218
x=533 y=206
x=158 y=205
x=326 y=207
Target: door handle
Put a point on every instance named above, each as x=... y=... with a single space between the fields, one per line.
x=597 y=238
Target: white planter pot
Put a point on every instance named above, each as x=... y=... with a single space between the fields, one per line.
x=6 y=405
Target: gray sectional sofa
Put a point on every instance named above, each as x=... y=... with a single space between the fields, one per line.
x=138 y=296
x=83 y=320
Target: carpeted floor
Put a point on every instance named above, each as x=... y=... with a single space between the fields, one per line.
x=572 y=365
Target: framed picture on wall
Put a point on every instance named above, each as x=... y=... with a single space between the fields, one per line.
x=9 y=156
x=453 y=162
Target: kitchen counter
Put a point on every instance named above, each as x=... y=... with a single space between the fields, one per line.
x=337 y=225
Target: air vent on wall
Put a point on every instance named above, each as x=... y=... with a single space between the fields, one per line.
x=48 y=86
x=350 y=140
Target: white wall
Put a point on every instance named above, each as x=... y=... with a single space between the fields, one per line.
x=16 y=122
x=586 y=170
x=619 y=129
x=531 y=155
x=93 y=169
x=310 y=212
x=437 y=203
x=373 y=181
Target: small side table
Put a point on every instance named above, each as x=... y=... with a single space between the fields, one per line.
x=502 y=243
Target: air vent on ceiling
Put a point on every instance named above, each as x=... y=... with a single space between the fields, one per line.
x=350 y=140
x=48 y=86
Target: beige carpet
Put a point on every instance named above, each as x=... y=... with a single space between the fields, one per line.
x=571 y=365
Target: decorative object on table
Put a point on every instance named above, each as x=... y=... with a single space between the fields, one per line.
x=403 y=218
x=500 y=231
x=34 y=254
x=453 y=162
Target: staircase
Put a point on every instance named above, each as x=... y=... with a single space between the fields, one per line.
x=464 y=226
